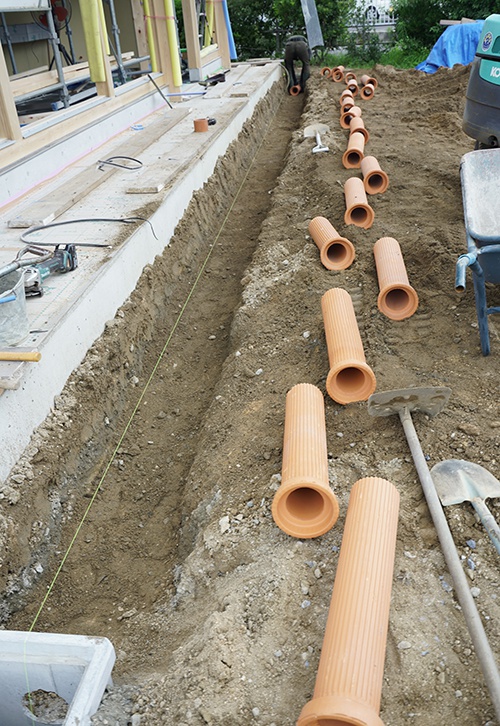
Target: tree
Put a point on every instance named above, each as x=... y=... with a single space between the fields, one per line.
x=418 y=20
x=260 y=27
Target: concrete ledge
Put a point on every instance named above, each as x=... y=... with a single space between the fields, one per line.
x=80 y=303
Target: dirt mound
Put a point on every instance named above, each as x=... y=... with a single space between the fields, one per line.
x=216 y=615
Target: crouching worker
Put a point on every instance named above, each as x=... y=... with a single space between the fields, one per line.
x=297 y=49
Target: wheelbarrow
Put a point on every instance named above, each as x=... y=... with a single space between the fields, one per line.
x=480 y=179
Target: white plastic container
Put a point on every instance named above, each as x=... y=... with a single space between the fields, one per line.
x=76 y=668
x=13 y=318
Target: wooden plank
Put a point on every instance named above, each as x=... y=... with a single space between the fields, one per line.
x=146 y=184
x=45 y=210
x=140 y=31
x=9 y=123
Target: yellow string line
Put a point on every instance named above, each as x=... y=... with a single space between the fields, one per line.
x=141 y=397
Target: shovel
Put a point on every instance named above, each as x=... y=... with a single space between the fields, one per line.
x=432 y=401
x=460 y=481
x=315 y=130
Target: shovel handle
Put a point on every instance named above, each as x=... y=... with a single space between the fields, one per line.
x=477 y=633
x=33 y=355
x=488 y=521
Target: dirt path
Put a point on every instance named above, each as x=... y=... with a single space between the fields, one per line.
x=215 y=614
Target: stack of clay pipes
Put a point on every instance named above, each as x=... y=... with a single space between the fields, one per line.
x=350 y=672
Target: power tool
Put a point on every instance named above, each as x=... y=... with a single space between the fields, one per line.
x=41 y=264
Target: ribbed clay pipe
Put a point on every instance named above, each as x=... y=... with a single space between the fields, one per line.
x=347 y=117
x=367 y=91
x=345 y=93
x=346 y=105
x=305 y=506
x=326 y=72
x=354 y=153
x=357 y=124
x=397 y=299
x=365 y=79
x=350 y=673
x=338 y=74
x=350 y=378
x=352 y=85
x=336 y=252
x=375 y=180
x=358 y=211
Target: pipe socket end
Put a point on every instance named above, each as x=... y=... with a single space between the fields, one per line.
x=362 y=215
x=337 y=710
x=398 y=301
x=338 y=254
x=350 y=381
x=305 y=509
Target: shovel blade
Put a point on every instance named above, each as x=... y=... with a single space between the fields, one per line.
x=314 y=129
x=460 y=481
x=429 y=400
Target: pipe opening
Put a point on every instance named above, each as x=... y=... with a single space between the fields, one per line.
x=397 y=299
x=337 y=253
x=354 y=158
x=358 y=215
x=350 y=380
x=375 y=181
x=304 y=504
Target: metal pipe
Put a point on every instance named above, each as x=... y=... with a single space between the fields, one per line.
x=463 y=262
x=116 y=36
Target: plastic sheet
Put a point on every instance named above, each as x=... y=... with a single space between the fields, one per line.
x=457 y=44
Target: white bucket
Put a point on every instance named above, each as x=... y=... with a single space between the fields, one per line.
x=13 y=318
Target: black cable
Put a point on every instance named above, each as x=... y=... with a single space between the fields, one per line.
x=110 y=162
x=124 y=220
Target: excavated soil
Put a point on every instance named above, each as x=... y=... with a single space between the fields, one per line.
x=165 y=445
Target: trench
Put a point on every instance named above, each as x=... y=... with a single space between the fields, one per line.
x=171 y=339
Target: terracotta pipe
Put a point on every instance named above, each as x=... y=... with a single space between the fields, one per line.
x=349 y=76
x=305 y=506
x=375 y=180
x=358 y=125
x=345 y=93
x=367 y=91
x=326 y=72
x=352 y=85
x=365 y=79
x=338 y=74
x=358 y=211
x=354 y=153
x=295 y=90
x=351 y=668
x=347 y=117
x=336 y=252
x=350 y=378
x=347 y=104
x=397 y=299
x=200 y=124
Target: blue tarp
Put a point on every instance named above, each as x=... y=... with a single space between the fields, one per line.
x=457 y=44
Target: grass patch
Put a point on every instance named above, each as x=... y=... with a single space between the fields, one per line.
x=396 y=56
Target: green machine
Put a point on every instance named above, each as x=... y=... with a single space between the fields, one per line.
x=481 y=118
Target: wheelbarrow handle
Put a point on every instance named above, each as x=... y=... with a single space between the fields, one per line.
x=463 y=262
